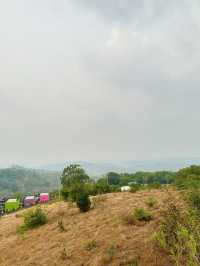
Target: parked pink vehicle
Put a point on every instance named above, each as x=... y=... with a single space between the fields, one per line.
x=44 y=197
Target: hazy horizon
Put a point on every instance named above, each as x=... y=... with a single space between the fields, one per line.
x=99 y=80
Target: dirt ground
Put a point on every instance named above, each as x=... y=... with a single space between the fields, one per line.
x=96 y=238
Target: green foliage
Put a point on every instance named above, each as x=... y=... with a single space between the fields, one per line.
x=113 y=178
x=188 y=178
x=74 y=181
x=65 y=193
x=73 y=175
x=151 y=202
x=19 y=196
x=141 y=215
x=22 y=180
x=194 y=199
x=161 y=177
x=83 y=201
x=102 y=186
x=55 y=195
x=135 y=188
x=154 y=186
x=138 y=215
x=179 y=235
x=140 y=178
x=34 y=218
x=75 y=191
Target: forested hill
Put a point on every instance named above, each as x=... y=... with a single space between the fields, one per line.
x=19 y=179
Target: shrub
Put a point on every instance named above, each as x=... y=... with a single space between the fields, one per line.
x=65 y=193
x=138 y=215
x=179 y=235
x=172 y=218
x=194 y=199
x=71 y=193
x=141 y=215
x=55 y=195
x=151 y=202
x=114 y=188
x=83 y=201
x=154 y=186
x=34 y=218
x=102 y=187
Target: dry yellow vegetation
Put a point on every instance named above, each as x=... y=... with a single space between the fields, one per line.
x=96 y=238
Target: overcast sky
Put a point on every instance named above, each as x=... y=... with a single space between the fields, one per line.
x=99 y=80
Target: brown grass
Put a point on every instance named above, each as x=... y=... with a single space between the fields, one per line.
x=115 y=242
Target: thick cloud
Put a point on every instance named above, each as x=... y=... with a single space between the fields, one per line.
x=99 y=80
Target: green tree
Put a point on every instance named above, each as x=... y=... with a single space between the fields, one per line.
x=73 y=180
x=188 y=177
x=102 y=186
x=113 y=178
x=18 y=195
x=74 y=174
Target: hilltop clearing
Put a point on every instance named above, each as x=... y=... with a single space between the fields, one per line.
x=96 y=238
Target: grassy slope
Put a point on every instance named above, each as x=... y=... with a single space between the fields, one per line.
x=47 y=245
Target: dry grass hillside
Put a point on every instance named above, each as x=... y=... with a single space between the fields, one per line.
x=96 y=238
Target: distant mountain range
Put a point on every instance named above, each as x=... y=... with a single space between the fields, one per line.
x=100 y=168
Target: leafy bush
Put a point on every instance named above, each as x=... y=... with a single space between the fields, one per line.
x=34 y=218
x=151 y=202
x=141 y=215
x=55 y=195
x=154 y=186
x=114 y=188
x=65 y=193
x=71 y=193
x=138 y=215
x=102 y=187
x=83 y=201
x=194 y=199
x=179 y=235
